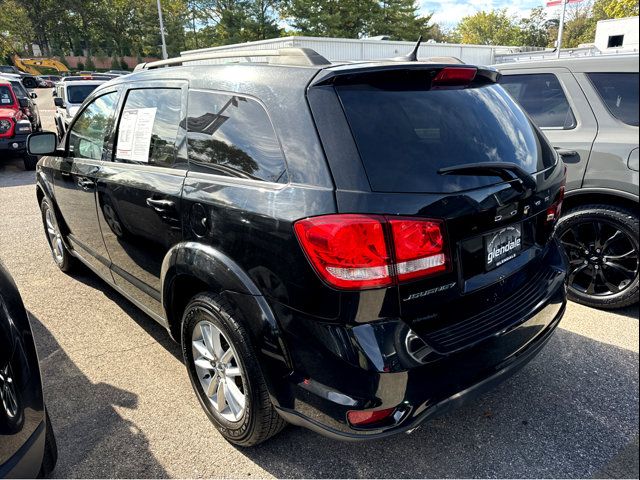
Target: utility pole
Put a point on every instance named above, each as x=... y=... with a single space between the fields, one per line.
x=560 y=28
x=164 y=44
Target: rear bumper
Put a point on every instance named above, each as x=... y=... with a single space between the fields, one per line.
x=421 y=392
x=26 y=462
x=17 y=144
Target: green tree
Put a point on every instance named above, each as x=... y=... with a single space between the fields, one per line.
x=16 y=30
x=534 y=31
x=400 y=20
x=604 y=9
x=330 y=18
x=489 y=28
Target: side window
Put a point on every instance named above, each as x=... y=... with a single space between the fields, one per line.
x=233 y=136
x=149 y=126
x=90 y=132
x=619 y=92
x=542 y=97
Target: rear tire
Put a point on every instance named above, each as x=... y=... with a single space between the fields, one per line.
x=258 y=420
x=601 y=244
x=61 y=255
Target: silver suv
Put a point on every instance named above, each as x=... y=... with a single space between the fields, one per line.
x=588 y=108
x=68 y=97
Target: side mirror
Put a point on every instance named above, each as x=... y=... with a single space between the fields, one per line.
x=54 y=93
x=24 y=102
x=34 y=95
x=42 y=143
x=58 y=102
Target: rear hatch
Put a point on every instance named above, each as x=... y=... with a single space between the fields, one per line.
x=449 y=144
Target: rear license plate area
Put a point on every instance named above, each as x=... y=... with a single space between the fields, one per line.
x=502 y=245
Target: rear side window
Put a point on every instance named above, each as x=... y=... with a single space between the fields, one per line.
x=19 y=90
x=78 y=93
x=542 y=96
x=405 y=136
x=619 y=92
x=232 y=136
x=149 y=126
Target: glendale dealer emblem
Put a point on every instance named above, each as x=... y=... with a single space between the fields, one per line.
x=503 y=246
x=8 y=393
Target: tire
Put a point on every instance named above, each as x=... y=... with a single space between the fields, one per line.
x=601 y=245
x=61 y=255
x=50 y=457
x=258 y=420
x=30 y=161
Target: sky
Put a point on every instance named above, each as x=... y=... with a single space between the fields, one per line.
x=449 y=12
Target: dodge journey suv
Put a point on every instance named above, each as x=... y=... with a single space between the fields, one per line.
x=349 y=247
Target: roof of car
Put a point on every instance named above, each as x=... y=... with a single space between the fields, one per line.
x=598 y=63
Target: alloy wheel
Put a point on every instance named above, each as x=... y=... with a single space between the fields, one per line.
x=603 y=258
x=219 y=371
x=55 y=238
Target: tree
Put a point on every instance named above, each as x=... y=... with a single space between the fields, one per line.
x=330 y=18
x=400 y=20
x=604 y=9
x=16 y=30
x=534 y=31
x=489 y=28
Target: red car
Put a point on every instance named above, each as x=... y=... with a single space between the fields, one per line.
x=14 y=127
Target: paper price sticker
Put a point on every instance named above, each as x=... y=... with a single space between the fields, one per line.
x=134 y=135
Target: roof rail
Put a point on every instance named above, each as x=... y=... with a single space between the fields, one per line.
x=285 y=56
x=444 y=60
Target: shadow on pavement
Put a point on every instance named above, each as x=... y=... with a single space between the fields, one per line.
x=97 y=441
x=572 y=412
x=13 y=174
x=632 y=311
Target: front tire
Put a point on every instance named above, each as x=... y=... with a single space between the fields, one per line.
x=64 y=260
x=225 y=373
x=601 y=244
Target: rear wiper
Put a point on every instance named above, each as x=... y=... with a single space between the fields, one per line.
x=506 y=171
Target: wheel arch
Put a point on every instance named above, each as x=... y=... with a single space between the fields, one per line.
x=586 y=196
x=190 y=268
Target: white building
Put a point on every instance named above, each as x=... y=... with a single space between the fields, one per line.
x=338 y=49
x=617 y=34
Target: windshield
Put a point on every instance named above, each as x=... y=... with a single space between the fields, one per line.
x=78 y=93
x=405 y=135
x=5 y=96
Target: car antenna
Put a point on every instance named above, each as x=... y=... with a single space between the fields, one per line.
x=410 y=57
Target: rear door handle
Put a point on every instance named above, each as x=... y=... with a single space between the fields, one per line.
x=569 y=156
x=160 y=205
x=86 y=183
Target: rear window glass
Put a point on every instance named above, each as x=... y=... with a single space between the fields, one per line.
x=78 y=93
x=405 y=136
x=619 y=91
x=542 y=96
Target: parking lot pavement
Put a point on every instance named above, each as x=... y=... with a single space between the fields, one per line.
x=122 y=406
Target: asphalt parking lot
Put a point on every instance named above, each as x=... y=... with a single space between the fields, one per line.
x=122 y=406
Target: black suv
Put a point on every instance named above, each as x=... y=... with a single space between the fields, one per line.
x=348 y=247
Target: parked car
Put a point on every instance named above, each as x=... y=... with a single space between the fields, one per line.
x=588 y=108
x=28 y=80
x=14 y=126
x=47 y=81
x=27 y=102
x=326 y=246
x=28 y=447
x=68 y=98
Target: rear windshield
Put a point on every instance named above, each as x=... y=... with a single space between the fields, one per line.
x=78 y=93
x=405 y=136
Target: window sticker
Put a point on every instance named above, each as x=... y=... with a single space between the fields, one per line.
x=134 y=135
x=6 y=100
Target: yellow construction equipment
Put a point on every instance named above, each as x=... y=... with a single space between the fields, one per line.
x=30 y=65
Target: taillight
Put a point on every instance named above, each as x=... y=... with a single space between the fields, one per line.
x=454 y=77
x=367 y=417
x=418 y=248
x=352 y=251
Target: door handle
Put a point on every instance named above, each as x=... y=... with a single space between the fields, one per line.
x=160 y=205
x=568 y=156
x=86 y=183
